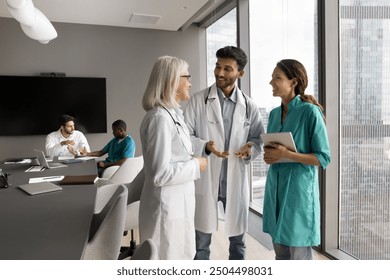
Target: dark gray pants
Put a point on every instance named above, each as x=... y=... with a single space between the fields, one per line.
x=283 y=252
x=203 y=241
x=237 y=246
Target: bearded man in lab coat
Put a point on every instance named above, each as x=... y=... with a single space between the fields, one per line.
x=225 y=125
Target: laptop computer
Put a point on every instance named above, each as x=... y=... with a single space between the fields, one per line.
x=43 y=161
x=38 y=188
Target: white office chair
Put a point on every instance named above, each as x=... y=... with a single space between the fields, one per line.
x=107 y=224
x=128 y=174
x=109 y=171
x=124 y=173
x=146 y=251
x=134 y=195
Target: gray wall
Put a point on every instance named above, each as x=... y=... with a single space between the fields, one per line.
x=124 y=56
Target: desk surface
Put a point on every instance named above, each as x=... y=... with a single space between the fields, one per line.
x=51 y=226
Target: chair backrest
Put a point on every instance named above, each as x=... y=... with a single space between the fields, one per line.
x=109 y=171
x=107 y=224
x=146 y=251
x=128 y=170
x=134 y=195
x=135 y=187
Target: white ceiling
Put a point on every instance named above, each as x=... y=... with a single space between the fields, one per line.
x=151 y=14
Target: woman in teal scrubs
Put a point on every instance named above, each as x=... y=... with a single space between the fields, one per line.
x=291 y=212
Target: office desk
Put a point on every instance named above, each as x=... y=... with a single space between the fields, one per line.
x=52 y=226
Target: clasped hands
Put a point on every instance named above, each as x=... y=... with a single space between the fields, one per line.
x=244 y=152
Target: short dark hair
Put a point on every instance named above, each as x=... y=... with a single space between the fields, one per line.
x=119 y=124
x=63 y=119
x=233 y=52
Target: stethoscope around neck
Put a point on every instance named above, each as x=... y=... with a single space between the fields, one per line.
x=246 y=107
x=178 y=132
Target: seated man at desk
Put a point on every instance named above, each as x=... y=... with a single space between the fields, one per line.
x=120 y=147
x=66 y=141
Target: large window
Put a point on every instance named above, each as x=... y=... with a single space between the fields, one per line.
x=221 y=33
x=275 y=34
x=365 y=128
x=355 y=73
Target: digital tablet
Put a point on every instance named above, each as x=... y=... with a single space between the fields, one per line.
x=283 y=138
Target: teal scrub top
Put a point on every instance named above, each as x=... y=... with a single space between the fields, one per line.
x=291 y=213
x=117 y=151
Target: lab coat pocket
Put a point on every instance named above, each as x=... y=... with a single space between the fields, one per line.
x=172 y=202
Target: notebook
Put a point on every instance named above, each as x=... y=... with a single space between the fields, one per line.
x=43 y=162
x=79 y=179
x=38 y=188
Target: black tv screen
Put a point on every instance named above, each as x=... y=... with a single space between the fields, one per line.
x=31 y=105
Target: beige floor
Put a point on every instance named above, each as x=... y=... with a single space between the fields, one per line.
x=255 y=250
x=220 y=244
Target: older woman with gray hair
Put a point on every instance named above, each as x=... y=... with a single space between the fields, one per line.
x=167 y=205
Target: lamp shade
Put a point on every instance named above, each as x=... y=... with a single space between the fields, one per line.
x=22 y=10
x=42 y=30
x=16 y=4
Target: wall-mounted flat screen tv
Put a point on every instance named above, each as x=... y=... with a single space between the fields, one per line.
x=31 y=105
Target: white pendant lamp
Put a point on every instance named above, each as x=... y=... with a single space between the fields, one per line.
x=42 y=30
x=22 y=10
x=32 y=21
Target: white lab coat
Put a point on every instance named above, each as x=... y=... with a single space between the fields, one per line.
x=167 y=205
x=205 y=123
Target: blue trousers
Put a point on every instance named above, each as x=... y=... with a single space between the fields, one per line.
x=283 y=252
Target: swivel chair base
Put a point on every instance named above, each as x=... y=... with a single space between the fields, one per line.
x=128 y=251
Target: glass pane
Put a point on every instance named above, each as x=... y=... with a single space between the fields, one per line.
x=220 y=34
x=279 y=29
x=365 y=128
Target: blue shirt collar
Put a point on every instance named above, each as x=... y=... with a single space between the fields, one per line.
x=232 y=97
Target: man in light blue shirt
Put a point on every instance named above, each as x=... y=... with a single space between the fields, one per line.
x=225 y=125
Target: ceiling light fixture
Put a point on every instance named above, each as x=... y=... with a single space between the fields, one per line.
x=32 y=21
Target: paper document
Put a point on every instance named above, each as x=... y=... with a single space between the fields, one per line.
x=46 y=179
x=65 y=157
x=37 y=168
x=86 y=157
x=23 y=161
